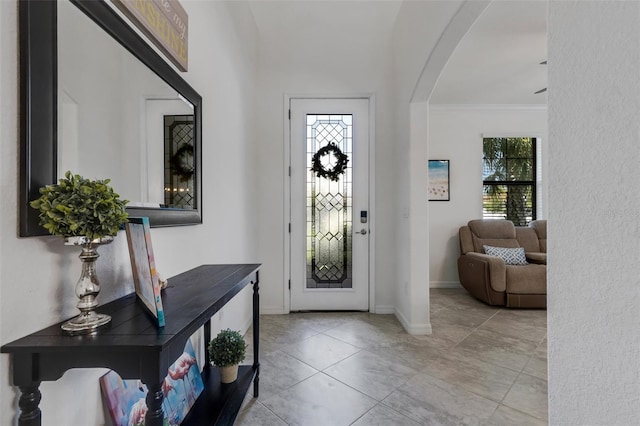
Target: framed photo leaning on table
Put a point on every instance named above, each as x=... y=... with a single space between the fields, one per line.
x=145 y=275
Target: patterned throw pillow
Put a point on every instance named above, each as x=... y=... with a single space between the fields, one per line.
x=511 y=256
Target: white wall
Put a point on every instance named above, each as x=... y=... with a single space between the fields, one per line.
x=455 y=134
x=417 y=31
x=37 y=274
x=594 y=232
x=302 y=66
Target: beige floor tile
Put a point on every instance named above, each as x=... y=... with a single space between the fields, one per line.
x=473 y=353
x=381 y=415
x=471 y=304
x=497 y=348
x=442 y=298
x=320 y=351
x=320 y=400
x=528 y=395
x=266 y=347
x=505 y=416
x=523 y=324
x=365 y=335
x=445 y=336
x=279 y=371
x=281 y=331
x=413 y=354
x=459 y=299
x=435 y=307
x=322 y=321
x=482 y=378
x=536 y=317
x=256 y=414
x=388 y=323
x=446 y=293
x=431 y=401
x=537 y=366
x=371 y=374
x=461 y=317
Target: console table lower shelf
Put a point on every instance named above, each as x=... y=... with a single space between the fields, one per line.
x=219 y=403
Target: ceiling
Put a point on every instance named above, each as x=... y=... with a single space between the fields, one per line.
x=299 y=30
x=497 y=62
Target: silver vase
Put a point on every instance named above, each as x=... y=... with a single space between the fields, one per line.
x=87 y=288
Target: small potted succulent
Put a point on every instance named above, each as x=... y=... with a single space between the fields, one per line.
x=226 y=351
x=87 y=213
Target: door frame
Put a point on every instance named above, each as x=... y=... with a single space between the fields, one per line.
x=286 y=186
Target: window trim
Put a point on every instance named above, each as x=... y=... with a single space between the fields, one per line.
x=535 y=179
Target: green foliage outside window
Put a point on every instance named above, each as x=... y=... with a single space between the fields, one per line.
x=508 y=174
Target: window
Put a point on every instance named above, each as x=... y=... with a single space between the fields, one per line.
x=508 y=175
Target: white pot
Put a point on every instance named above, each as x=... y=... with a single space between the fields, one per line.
x=229 y=374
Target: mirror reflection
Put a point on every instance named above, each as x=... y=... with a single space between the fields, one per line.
x=117 y=119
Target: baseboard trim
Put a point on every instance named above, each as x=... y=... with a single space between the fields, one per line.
x=445 y=284
x=417 y=330
x=272 y=311
x=384 y=310
x=381 y=309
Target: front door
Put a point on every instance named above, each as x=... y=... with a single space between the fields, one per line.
x=329 y=149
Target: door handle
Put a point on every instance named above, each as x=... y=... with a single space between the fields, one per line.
x=363 y=231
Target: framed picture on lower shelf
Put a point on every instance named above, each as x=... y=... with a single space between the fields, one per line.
x=145 y=275
x=124 y=400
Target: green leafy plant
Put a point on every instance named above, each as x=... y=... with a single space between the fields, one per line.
x=76 y=206
x=227 y=348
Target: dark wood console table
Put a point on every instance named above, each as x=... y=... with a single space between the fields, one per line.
x=137 y=349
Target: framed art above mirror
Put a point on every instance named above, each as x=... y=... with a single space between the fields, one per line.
x=96 y=99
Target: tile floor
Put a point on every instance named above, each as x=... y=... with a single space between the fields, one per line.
x=481 y=366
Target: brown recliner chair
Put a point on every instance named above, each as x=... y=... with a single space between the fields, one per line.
x=490 y=278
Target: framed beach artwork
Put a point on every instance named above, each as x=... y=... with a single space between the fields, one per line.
x=124 y=400
x=145 y=275
x=438 y=180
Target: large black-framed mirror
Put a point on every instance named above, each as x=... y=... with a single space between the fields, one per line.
x=40 y=104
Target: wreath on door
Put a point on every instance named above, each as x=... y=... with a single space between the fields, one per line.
x=340 y=166
x=180 y=162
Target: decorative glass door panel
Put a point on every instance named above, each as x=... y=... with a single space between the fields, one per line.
x=329 y=188
x=179 y=168
x=329 y=202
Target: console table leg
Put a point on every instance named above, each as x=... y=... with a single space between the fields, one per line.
x=155 y=415
x=256 y=381
x=30 y=414
x=256 y=333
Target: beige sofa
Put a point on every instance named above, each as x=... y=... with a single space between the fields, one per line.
x=490 y=278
